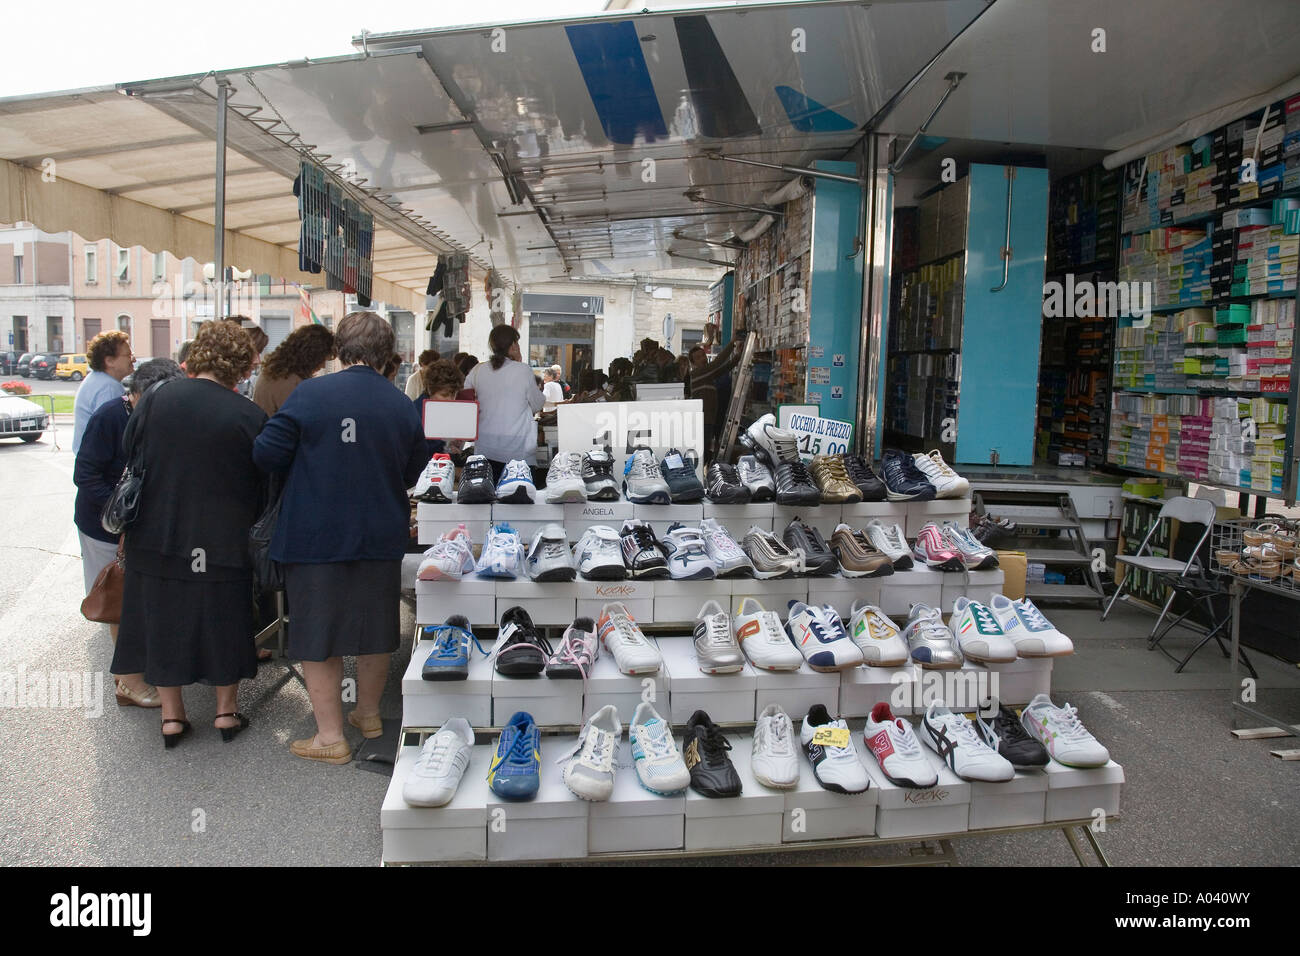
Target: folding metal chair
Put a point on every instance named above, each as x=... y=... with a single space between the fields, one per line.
x=1201 y=591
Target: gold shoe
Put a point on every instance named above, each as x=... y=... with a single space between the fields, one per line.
x=337 y=753
x=126 y=697
x=832 y=479
x=370 y=727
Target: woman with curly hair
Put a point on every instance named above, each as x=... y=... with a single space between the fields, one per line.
x=298 y=357
x=187 y=617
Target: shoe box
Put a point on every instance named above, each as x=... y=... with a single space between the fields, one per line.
x=814 y=813
x=921 y=513
x=840 y=592
x=548 y=603
x=529 y=519
x=727 y=698
x=678 y=602
x=551 y=826
x=456 y=832
x=1077 y=794
x=856 y=514
x=920 y=585
x=795 y=691
x=579 y=516
x=637 y=596
x=471 y=596
x=907 y=812
x=823 y=517
x=634 y=819
x=551 y=702
x=606 y=685
x=862 y=688
x=437 y=519
x=738 y=519
x=976 y=585
x=775 y=594
x=755 y=818
x=1020 y=801
x=430 y=703
x=661 y=517
x=1021 y=680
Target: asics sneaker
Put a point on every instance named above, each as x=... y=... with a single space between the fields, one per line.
x=520 y=650
x=890 y=541
x=577 y=652
x=894 y=744
x=858 y=557
x=450 y=559
x=659 y=764
x=729 y=557
x=598 y=475
x=829 y=746
x=774 y=761
x=932 y=549
x=503 y=554
x=756 y=476
x=441 y=765
x=947 y=483
x=1005 y=734
x=878 y=637
x=437 y=482
x=764 y=641
x=1033 y=634
x=515 y=771
x=642 y=482
x=771 y=559
x=705 y=755
x=516 y=485
x=449 y=659
x=822 y=640
x=954 y=738
x=974 y=555
x=865 y=478
x=589 y=766
x=476 y=484
x=549 y=558
x=679 y=474
x=903 y=480
x=688 y=558
x=814 y=554
x=832 y=479
x=599 y=554
x=724 y=485
x=929 y=641
x=642 y=552
x=564 y=481
x=716 y=647
x=769 y=443
x=619 y=633
x=1059 y=730
x=978 y=633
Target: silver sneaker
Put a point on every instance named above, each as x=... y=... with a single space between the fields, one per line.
x=771 y=558
x=929 y=641
x=731 y=559
x=642 y=483
x=890 y=541
x=755 y=476
x=715 y=645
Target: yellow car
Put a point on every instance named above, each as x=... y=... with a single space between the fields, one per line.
x=74 y=367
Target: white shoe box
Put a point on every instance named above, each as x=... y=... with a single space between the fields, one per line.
x=454 y=832
x=1021 y=680
x=755 y=818
x=679 y=602
x=579 y=516
x=976 y=585
x=795 y=691
x=431 y=703
x=472 y=596
x=905 y=812
x=637 y=596
x=814 y=813
x=435 y=520
x=633 y=819
x=968 y=688
x=661 y=517
x=606 y=684
x=921 y=513
x=726 y=698
x=775 y=594
x=840 y=592
x=862 y=688
x=548 y=603
x=738 y=519
x=1021 y=801
x=551 y=826
x=529 y=519
x=1077 y=794
x=553 y=703
x=900 y=590
x=856 y=514
x=823 y=517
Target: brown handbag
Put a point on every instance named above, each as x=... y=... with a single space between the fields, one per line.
x=104 y=602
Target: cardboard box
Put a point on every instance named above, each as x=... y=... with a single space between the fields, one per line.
x=529 y=519
x=472 y=596
x=428 y=703
x=637 y=596
x=862 y=688
x=551 y=826
x=1078 y=794
x=905 y=812
x=436 y=520
x=921 y=513
x=727 y=698
x=634 y=819
x=775 y=594
x=796 y=691
x=815 y=813
x=1021 y=801
x=841 y=592
x=455 y=832
x=549 y=604
x=580 y=516
x=920 y=585
x=1013 y=565
x=553 y=703
x=1021 y=680
x=679 y=602
x=738 y=519
x=606 y=684
x=755 y=818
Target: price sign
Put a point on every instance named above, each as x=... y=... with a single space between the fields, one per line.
x=815 y=435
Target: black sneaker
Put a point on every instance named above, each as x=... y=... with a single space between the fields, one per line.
x=598 y=475
x=704 y=749
x=476 y=484
x=679 y=472
x=520 y=650
x=903 y=480
x=1007 y=736
x=817 y=557
x=642 y=552
x=864 y=476
x=724 y=487
x=794 y=486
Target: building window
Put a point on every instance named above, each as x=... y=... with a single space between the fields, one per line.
x=18 y=270
x=54 y=332
x=20 y=333
x=159 y=266
x=124 y=323
x=123 y=265
x=92 y=266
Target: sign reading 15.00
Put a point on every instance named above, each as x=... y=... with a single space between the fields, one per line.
x=819 y=436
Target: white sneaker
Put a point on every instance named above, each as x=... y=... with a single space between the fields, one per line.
x=436 y=483
x=659 y=764
x=1059 y=730
x=599 y=554
x=442 y=762
x=688 y=558
x=549 y=558
x=947 y=483
x=978 y=633
x=1033 y=634
x=729 y=557
x=516 y=485
x=756 y=476
x=643 y=483
x=878 y=637
x=774 y=762
x=619 y=633
x=589 y=766
x=715 y=646
x=824 y=646
x=954 y=738
x=890 y=541
x=769 y=442
x=564 y=479
x=764 y=641
x=894 y=744
x=502 y=555
x=451 y=558
x=829 y=746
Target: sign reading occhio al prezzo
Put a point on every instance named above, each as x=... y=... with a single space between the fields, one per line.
x=816 y=435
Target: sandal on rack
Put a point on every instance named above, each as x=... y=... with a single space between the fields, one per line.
x=171 y=740
x=229 y=733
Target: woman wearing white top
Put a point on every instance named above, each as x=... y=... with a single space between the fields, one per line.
x=508 y=397
x=552 y=391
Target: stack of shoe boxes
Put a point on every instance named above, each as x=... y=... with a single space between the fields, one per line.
x=1291 y=145
x=1270 y=340
x=1164 y=433
x=1176 y=261
x=1266 y=259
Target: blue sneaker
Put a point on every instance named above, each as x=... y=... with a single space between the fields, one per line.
x=503 y=554
x=903 y=480
x=516 y=485
x=449 y=659
x=516 y=768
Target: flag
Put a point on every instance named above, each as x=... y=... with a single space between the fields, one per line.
x=307 y=310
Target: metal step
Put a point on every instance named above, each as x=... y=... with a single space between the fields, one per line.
x=1036 y=521
x=1060 y=592
x=1057 y=556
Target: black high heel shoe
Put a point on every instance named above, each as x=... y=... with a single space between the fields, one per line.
x=229 y=733
x=171 y=740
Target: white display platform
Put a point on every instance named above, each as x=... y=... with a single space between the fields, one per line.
x=919 y=585
x=967 y=688
x=726 y=698
x=738 y=519
x=429 y=703
x=455 y=832
x=529 y=519
x=863 y=687
x=681 y=601
x=606 y=684
x=548 y=603
x=823 y=517
x=636 y=596
x=1074 y=794
x=795 y=691
x=1021 y=801
x=906 y=812
x=975 y=585
x=661 y=517
x=634 y=819
x=580 y=516
x=551 y=826
x=552 y=703
x=856 y=514
x=472 y=596
x=840 y=592
x=814 y=813
x=921 y=513
x=755 y=818
x=775 y=594
x=1021 y=680
x=435 y=520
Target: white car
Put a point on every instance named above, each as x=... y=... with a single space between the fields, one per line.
x=20 y=418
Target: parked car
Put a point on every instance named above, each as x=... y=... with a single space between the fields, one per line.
x=20 y=418
x=74 y=367
x=9 y=362
x=25 y=364
x=45 y=365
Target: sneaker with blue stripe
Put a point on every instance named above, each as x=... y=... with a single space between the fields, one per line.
x=503 y=554
x=659 y=764
x=449 y=659
x=516 y=485
x=515 y=772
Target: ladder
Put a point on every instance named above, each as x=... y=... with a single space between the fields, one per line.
x=741 y=380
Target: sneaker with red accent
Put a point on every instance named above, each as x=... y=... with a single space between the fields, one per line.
x=450 y=559
x=894 y=744
x=932 y=548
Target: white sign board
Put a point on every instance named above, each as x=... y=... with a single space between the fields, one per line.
x=815 y=435
x=451 y=420
x=661 y=426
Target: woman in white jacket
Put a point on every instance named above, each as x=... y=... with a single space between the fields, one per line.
x=508 y=398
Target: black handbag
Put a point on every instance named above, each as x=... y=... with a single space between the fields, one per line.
x=123 y=505
x=268 y=575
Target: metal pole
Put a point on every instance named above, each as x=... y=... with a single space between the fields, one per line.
x=219 y=219
x=875 y=221
x=793 y=170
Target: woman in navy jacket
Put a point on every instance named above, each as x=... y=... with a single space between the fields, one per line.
x=350 y=444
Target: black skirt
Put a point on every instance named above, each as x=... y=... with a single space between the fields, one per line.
x=343 y=609
x=186 y=632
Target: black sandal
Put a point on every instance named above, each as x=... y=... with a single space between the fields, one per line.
x=171 y=740
x=229 y=733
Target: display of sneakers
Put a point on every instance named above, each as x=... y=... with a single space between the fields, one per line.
x=978 y=633
x=832 y=479
x=893 y=743
x=438 y=770
x=577 y=652
x=974 y=555
x=549 y=557
x=598 y=475
x=450 y=559
x=762 y=637
x=903 y=480
x=642 y=553
x=929 y=641
x=705 y=755
x=933 y=550
x=642 y=482
x=815 y=556
x=1005 y=734
x=821 y=639
x=599 y=554
x=864 y=476
x=954 y=738
x=724 y=486
x=658 y=762
x=688 y=558
x=520 y=650
x=716 y=647
x=436 y=483
x=774 y=761
x=516 y=485
x=633 y=654
x=515 y=771
x=770 y=557
x=890 y=541
x=1033 y=634
x=502 y=555
x=829 y=745
x=1059 y=730
x=452 y=642
x=947 y=483
x=769 y=443
x=476 y=484
x=564 y=479
x=757 y=477
x=589 y=766
x=877 y=636
x=729 y=557
x=679 y=473
x=857 y=556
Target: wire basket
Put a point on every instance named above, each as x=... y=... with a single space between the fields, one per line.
x=1264 y=551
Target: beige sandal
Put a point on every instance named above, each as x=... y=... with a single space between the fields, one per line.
x=370 y=727
x=336 y=753
x=126 y=697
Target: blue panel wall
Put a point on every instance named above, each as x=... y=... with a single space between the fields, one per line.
x=834 y=321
